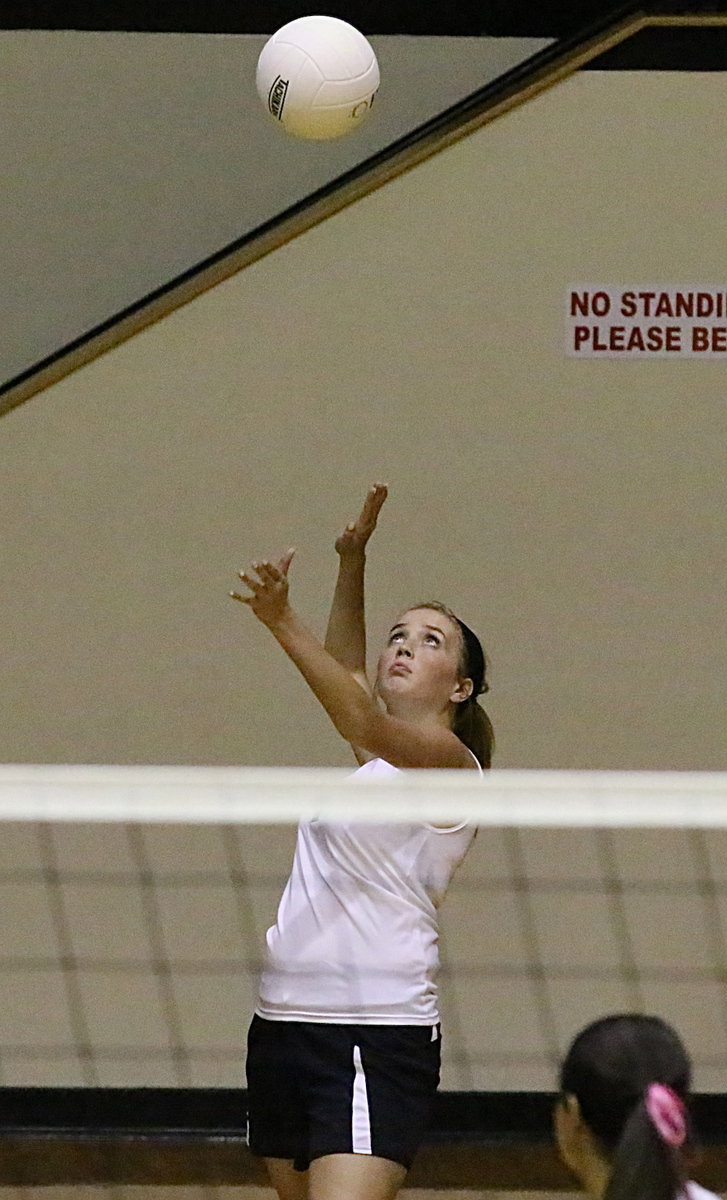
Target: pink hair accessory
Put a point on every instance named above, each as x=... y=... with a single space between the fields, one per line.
x=666 y=1111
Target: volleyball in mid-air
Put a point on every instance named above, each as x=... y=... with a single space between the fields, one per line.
x=317 y=77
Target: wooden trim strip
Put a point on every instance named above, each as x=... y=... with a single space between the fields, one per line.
x=703 y=20
x=37 y=1160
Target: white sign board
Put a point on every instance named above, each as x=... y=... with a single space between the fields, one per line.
x=639 y=321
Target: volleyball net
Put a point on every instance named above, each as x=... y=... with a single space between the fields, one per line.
x=136 y=901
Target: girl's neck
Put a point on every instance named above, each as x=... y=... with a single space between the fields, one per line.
x=415 y=716
x=594 y=1174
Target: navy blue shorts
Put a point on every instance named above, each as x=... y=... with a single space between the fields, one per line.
x=316 y=1089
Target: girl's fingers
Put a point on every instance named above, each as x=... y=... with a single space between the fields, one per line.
x=369 y=501
x=269 y=577
x=285 y=561
x=253 y=584
x=269 y=573
x=373 y=502
x=365 y=523
x=378 y=494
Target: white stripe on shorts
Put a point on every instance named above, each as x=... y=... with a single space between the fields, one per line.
x=360 y=1123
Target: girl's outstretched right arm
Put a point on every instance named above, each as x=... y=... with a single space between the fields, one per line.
x=346 y=632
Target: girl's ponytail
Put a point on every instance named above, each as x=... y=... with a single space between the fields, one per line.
x=647 y=1163
x=473 y=727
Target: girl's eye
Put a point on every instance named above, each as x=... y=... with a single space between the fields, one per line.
x=433 y=639
x=395 y=637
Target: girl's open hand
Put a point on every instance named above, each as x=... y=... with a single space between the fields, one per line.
x=357 y=533
x=268 y=583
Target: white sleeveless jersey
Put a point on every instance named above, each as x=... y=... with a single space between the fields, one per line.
x=694 y=1191
x=355 y=940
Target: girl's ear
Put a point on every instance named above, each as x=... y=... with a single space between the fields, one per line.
x=463 y=691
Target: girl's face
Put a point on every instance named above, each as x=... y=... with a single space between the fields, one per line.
x=419 y=668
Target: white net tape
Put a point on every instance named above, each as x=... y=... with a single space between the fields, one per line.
x=220 y=795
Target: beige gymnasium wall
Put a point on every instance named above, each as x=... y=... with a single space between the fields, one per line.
x=574 y=512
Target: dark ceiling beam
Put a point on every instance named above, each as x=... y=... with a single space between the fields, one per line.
x=670 y=47
x=440 y=18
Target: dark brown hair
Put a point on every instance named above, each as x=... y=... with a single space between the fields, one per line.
x=470 y=722
x=608 y=1069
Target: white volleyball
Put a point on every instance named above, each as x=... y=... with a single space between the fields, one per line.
x=317 y=77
